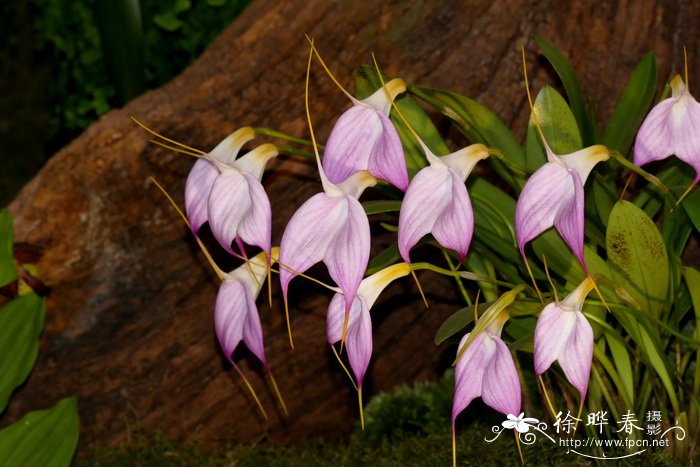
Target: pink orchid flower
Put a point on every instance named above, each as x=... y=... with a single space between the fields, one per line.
x=332 y=227
x=563 y=334
x=358 y=335
x=236 y=315
x=437 y=202
x=672 y=127
x=486 y=370
x=364 y=138
x=227 y=192
x=553 y=196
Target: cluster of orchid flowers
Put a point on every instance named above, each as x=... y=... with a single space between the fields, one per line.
x=224 y=190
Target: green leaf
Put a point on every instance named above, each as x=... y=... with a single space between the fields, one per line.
x=168 y=21
x=558 y=125
x=637 y=257
x=387 y=257
x=691 y=204
x=457 y=321
x=478 y=124
x=380 y=206
x=43 y=437
x=623 y=365
x=633 y=106
x=121 y=38
x=567 y=75
x=8 y=272
x=21 y=321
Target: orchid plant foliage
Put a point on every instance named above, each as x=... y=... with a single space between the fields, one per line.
x=568 y=213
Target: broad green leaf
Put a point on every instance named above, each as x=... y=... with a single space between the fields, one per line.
x=46 y=438
x=567 y=75
x=8 y=272
x=633 y=106
x=637 y=257
x=558 y=125
x=21 y=321
x=168 y=21
x=477 y=122
x=380 y=206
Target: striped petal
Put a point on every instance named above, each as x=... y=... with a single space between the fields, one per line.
x=569 y=219
x=197 y=189
x=310 y=231
x=554 y=326
x=256 y=226
x=454 y=227
x=501 y=389
x=347 y=255
x=236 y=318
x=358 y=340
x=540 y=201
x=469 y=372
x=426 y=198
x=229 y=203
x=577 y=355
x=672 y=127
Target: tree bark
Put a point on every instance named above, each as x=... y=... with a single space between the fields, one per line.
x=129 y=325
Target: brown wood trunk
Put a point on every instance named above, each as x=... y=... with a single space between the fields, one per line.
x=129 y=325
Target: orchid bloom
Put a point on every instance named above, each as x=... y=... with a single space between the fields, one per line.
x=236 y=316
x=553 y=196
x=332 y=227
x=486 y=370
x=563 y=333
x=227 y=192
x=672 y=127
x=364 y=138
x=358 y=338
x=437 y=202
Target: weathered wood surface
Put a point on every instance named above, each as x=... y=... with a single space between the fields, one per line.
x=129 y=322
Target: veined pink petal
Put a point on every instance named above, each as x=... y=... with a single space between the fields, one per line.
x=552 y=332
x=501 y=389
x=387 y=160
x=655 y=137
x=455 y=225
x=427 y=197
x=540 y=201
x=197 y=189
x=236 y=319
x=229 y=203
x=351 y=142
x=687 y=134
x=672 y=127
x=346 y=257
x=358 y=340
x=256 y=226
x=469 y=372
x=310 y=231
x=577 y=355
x=569 y=219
